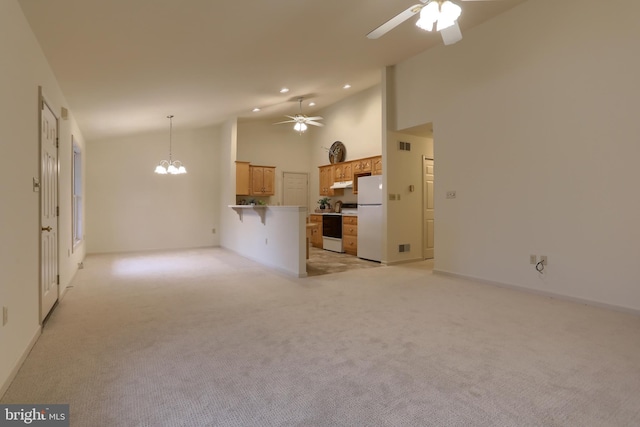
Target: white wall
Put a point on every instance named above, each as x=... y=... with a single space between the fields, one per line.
x=24 y=68
x=536 y=128
x=130 y=208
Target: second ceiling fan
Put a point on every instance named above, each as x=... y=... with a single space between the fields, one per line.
x=443 y=14
x=301 y=121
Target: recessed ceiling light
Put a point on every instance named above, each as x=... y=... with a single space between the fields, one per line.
x=284 y=90
x=255 y=110
x=347 y=86
x=311 y=104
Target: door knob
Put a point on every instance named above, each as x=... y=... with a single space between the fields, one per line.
x=46 y=228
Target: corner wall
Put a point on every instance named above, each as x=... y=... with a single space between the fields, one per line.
x=537 y=131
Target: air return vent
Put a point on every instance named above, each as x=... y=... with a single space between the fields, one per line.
x=404 y=146
x=404 y=248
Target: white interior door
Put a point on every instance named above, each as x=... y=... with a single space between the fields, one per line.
x=48 y=210
x=429 y=216
x=295 y=189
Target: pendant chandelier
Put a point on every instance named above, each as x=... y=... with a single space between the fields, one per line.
x=172 y=167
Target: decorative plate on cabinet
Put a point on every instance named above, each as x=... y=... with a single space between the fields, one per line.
x=337 y=152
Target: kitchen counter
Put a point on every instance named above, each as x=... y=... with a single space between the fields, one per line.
x=335 y=213
x=271 y=235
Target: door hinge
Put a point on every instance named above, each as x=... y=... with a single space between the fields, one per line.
x=57 y=210
x=58 y=279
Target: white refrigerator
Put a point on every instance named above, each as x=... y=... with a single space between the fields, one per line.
x=370 y=217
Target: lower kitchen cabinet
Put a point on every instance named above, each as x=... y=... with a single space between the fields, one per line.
x=350 y=234
x=316 y=233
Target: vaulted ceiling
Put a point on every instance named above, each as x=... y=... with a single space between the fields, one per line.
x=124 y=65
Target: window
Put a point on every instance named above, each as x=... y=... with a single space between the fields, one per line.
x=76 y=188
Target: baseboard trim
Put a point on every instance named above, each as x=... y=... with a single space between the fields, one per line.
x=16 y=368
x=554 y=295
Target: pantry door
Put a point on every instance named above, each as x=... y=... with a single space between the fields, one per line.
x=48 y=210
x=295 y=189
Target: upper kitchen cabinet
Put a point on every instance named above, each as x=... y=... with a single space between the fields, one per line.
x=376 y=166
x=326 y=180
x=361 y=166
x=343 y=171
x=262 y=180
x=242 y=178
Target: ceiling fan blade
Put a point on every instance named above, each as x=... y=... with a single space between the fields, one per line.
x=315 y=118
x=452 y=34
x=394 y=22
x=286 y=121
x=314 y=123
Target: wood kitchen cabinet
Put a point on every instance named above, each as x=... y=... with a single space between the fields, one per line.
x=262 y=180
x=316 y=233
x=343 y=171
x=254 y=180
x=376 y=165
x=361 y=166
x=242 y=178
x=326 y=180
x=350 y=234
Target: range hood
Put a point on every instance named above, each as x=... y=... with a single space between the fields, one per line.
x=342 y=184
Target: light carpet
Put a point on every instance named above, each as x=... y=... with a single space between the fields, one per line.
x=207 y=338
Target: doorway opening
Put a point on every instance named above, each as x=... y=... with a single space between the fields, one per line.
x=419 y=140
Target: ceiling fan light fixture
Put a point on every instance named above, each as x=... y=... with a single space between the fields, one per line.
x=428 y=16
x=449 y=12
x=301 y=121
x=443 y=23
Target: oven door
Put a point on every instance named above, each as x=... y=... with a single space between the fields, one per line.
x=332 y=226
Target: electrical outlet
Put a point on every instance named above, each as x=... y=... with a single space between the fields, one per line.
x=533 y=259
x=5 y=315
x=543 y=259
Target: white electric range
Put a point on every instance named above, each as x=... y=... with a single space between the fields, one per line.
x=332 y=227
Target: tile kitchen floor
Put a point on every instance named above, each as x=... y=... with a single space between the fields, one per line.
x=328 y=262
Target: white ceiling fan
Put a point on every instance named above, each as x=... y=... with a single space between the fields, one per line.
x=443 y=13
x=301 y=121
